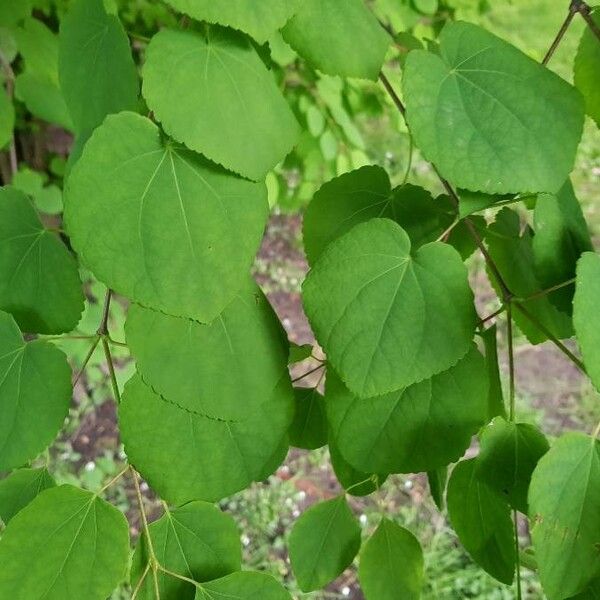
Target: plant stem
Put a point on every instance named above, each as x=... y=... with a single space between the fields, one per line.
x=517 y=555
x=111 y=369
x=113 y=480
x=547 y=291
x=308 y=373
x=585 y=11
x=411 y=149
x=511 y=364
x=103 y=327
x=596 y=432
x=86 y=360
x=138 y=587
x=494 y=314
x=177 y=575
x=561 y=33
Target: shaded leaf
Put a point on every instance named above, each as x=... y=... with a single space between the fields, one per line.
x=354 y=482
x=20 y=488
x=586 y=68
x=496 y=406
x=247 y=585
x=309 y=427
x=437 y=485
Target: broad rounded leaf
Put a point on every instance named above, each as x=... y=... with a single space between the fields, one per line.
x=226 y=369
x=20 y=488
x=258 y=19
x=67 y=543
x=386 y=318
x=585 y=313
x=39 y=282
x=193 y=457
x=586 y=69
x=35 y=393
x=7 y=118
x=563 y=499
x=220 y=100
x=97 y=74
x=509 y=452
x=309 y=428
x=418 y=428
x=391 y=564
x=323 y=543
x=338 y=40
x=482 y=522
x=247 y=585
x=479 y=110
x=146 y=215
x=197 y=541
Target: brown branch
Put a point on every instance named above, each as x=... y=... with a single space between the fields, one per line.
x=573 y=9
x=586 y=12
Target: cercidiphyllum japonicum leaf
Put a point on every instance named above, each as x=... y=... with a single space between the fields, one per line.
x=511 y=247
x=391 y=564
x=7 y=118
x=482 y=521
x=258 y=19
x=386 y=318
x=585 y=313
x=35 y=393
x=364 y=194
x=225 y=369
x=509 y=452
x=309 y=427
x=193 y=457
x=146 y=215
x=323 y=543
x=39 y=281
x=480 y=109
x=437 y=486
x=66 y=544
x=20 y=488
x=245 y=585
x=196 y=540
x=561 y=236
x=96 y=70
x=586 y=69
x=419 y=428
x=219 y=99
x=564 y=497
x=495 y=396
x=338 y=40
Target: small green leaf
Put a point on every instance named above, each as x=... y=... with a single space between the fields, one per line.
x=586 y=68
x=563 y=499
x=67 y=543
x=585 y=313
x=418 y=428
x=258 y=19
x=38 y=46
x=247 y=585
x=482 y=522
x=509 y=452
x=496 y=406
x=34 y=395
x=323 y=543
x=354 y=482
x=194 y=457
x=215 y=220
x=479 y=110
x=47 y=199
x=197 y=541
x=7 y=118
x=20 y=488
x=39 y=281
x=472 y=202
x=309 y=428
x=96 y=70
x=221 y=100
x=391 y=564
x=299 y=353
x=347 y=42
x=420 y=319
x=437 y=485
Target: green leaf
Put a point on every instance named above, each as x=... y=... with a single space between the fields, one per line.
x=309 y=427
x=563 y=499
x=509 y=452
x=496 y=406
x=67 y=543
x=215 y=220
x=197 y=541
x=35 y=394
x=46 y=199
x=420 y=319
x=193 y=457
x=561 y=236
x=258 y=19
x=437 y=485
x=479 y=110
x=7 y=118
x=38 y=46
x=347 y=42
x=221 y=99
x=586 y=67
x=482 y=522
x=591 y=593
x=511 y=247
x=39 y=282
x=418 y=428
x=323 y=543
x=391 y=564
x=13 y=12
x=299 y=353
x=20 y=488
x=226 y=369
x=247 y=585
x=472 y=202
x=585 y=313
x=96 y=70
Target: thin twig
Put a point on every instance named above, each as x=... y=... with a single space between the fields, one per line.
x=138 y=587
x=511 y=363
x=86 y=360
x=517 y=555
x=586 y=12
x=411 y=149
x=596 y=431
x=113 y=480
x=111 y=369
x=177 y=575
x=308 y=373
x=103 y=327
x=547 y=290
x=561 y=33
x=484 y=320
